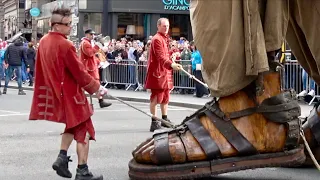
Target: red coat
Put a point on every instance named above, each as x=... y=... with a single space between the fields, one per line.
x=87 y=56
x=59 y=82
x=159 y=71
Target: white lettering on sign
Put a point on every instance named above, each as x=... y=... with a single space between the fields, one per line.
x=176 y=5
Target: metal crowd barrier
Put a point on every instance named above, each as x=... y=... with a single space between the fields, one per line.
x=141 y=74
x=133 y=74
x=182 y=80
x=296 y=78
x=121 y=72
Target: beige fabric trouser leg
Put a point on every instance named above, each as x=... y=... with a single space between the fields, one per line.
x=303 y=35
x=234 y=36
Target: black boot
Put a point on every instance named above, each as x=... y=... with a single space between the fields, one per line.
x=164 y=125
x=21 y=92
x=61 y=166
x=164 y=117
x=155 y=125
x=85 y=174
x=104 y=104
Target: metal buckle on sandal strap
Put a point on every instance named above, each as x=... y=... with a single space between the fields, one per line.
x=178 y=130
x=293 y=133
x=181 y=130
x=214 y=108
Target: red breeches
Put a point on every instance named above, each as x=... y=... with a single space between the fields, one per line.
x=162 y=95
x=80 y=131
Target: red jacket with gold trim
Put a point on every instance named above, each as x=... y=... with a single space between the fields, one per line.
x=88 y=58
x=159 y=71
x=60 y=81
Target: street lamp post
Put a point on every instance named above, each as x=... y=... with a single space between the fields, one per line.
x=1 y=20
x=34 y=22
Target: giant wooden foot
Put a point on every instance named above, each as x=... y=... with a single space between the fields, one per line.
x=238 y=132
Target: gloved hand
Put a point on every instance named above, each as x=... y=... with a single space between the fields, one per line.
x=102 y=90
x=176 y=66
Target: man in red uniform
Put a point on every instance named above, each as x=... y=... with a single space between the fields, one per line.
x=60 y=81
x=159 y=72
x=90 y=61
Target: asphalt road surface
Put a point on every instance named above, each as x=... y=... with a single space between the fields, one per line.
x=28 y=149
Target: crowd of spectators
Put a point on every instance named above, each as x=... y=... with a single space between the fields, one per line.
x=127 y=49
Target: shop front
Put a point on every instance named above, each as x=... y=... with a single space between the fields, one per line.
x=138 y=18
x=119 y=18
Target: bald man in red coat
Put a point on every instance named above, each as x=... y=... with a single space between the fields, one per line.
x=159 y=72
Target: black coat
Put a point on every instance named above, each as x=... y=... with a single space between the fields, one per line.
x=31 y=56
x=15 y=53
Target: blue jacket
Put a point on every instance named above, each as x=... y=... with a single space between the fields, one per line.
x=2 y=52
x=195 y=59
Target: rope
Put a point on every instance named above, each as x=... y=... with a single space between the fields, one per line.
x=309 y=150
x=194 y=78
x=167 y=123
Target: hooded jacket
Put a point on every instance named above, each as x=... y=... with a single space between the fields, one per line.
x=15 y=54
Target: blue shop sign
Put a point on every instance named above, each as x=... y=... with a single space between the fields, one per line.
x=176 y=5
x=34 y=12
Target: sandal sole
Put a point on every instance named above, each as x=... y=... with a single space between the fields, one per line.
x=205 y=169
x=309 y=162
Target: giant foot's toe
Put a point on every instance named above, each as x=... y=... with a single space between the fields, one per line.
x=150 y=151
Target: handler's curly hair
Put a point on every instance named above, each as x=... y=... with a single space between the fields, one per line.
x=63 y=11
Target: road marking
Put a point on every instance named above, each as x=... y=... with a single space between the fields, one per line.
x=125 y=110
x=20 y=114
x=14 y=112
x=147 y=106
x=100 y=110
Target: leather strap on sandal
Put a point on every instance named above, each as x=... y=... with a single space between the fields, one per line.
x=235 y=138
x=161 y=148
x=280 y=109
x=293 y=133
x=273 y=108
x=204 y=139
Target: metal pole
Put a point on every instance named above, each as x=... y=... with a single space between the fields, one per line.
x=1 y=20
x=105 y=18
x=194 y=78
x=34 y=23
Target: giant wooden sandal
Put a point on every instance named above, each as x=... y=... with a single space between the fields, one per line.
x=238 y=132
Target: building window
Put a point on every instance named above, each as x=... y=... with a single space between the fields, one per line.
x=93 y=21
x=43 y=26
x=132 y=25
